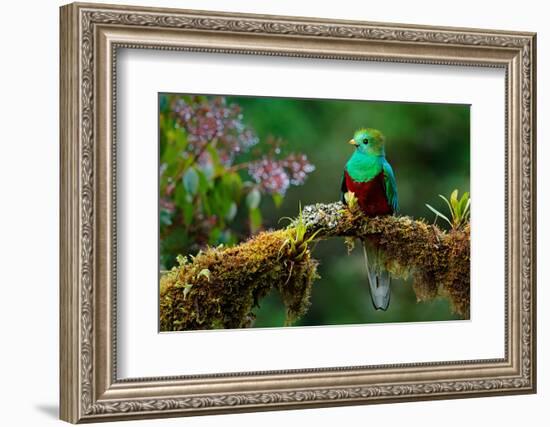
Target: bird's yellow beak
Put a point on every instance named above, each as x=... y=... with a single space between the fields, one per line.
x=352 y=142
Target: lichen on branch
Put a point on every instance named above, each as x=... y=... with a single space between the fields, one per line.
x=220 y=287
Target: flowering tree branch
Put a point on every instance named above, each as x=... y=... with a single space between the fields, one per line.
x=213 y=173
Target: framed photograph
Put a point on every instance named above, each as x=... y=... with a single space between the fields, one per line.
x=266 y=212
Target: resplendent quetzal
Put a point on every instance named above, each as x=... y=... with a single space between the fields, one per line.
x=370 y=177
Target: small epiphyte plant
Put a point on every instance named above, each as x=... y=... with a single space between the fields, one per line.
x=459 y=209
x=183 y=261
x=295 y=246
x=351 y=201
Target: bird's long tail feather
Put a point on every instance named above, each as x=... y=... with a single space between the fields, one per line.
x=378 y=276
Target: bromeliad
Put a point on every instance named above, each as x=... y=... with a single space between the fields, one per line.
x=370 y=177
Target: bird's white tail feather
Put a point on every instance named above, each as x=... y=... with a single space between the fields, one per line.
x=379 y=277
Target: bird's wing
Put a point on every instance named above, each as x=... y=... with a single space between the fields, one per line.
x=391 y=186
x=343 y=188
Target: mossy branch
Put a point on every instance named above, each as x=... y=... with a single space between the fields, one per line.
x=220 y=287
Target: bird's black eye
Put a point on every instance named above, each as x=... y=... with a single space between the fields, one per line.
x=366 y=141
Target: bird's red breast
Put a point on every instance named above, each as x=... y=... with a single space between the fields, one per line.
x=371 y=195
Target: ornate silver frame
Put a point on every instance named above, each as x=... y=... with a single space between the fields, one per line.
x=90 y=36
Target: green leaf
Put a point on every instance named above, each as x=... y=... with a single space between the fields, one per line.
x=215 y=235
x=214 y=156
x=451 y=210
x=466 y=212
x=204 y=182
x=220 y=200
x=191 y=181
x=454 y=196
x=255 y=217
x=313 y=236
x=165 y=217
x=300 y=232
x=188 y=211
x=206 y=206
x=228 y=238
x=180 y=196
x=253 y=199
x=437 y=213
x=231 y=213
x=175 y=142
x=277 y=199
x=232 y=184
x=208 y=171
x=454 y=203
x=463 y=203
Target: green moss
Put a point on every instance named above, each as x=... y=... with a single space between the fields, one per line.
x=220 y=287
x=239 y=277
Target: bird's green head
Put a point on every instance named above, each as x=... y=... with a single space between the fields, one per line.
x=369 y=141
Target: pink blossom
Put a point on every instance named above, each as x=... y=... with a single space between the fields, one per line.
x=298 y=167
x=208 y=120
x=275 y=176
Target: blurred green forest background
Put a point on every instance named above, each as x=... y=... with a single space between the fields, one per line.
x=230 y=188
